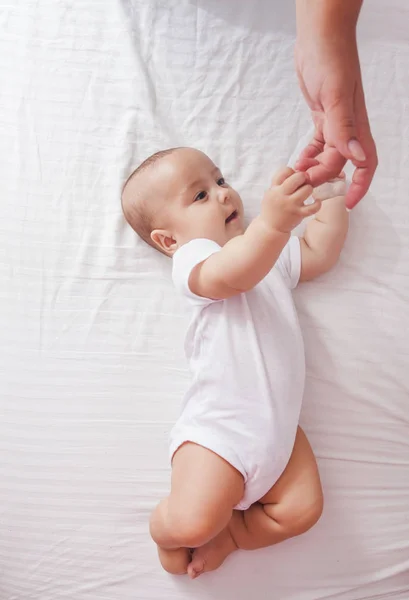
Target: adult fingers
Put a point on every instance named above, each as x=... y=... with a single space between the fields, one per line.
x=329 y=164
x=318 y=159
x=316 y=145
x=341 y=127
x=363 y=175
x=365 y=170
x=306 y=163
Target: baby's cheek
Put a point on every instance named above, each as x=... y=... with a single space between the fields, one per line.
x=238 y=199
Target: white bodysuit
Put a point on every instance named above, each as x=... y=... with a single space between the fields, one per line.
x=246 y=356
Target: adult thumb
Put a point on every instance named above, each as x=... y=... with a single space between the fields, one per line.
x=342 y=130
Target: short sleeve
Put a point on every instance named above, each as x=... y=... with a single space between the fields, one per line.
x=289 y=262
x=185 y=259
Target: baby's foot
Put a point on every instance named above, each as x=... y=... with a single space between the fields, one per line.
x=210 y=556
x=331 y=189
x=175 y=561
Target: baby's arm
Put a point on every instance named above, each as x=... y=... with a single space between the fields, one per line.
x=246 y=259
x=325 y=235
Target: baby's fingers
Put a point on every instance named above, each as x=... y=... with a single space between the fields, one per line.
x=310 y=209
x=281 y=175
x=294 y=182
x=301 y=194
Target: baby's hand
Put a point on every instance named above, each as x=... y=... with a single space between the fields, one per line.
x=283 y=205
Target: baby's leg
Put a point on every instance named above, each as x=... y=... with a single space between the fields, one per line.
x=292 y=506
x=204 y=490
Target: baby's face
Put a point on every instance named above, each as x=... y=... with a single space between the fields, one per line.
x=198 y=202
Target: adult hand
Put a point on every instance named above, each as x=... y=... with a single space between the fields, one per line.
x=330 y=79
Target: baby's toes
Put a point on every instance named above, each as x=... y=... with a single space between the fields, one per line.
x=331 y=189
x=175 y=561
x=196 y=566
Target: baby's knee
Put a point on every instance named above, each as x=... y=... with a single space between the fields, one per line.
x=309 y=515
x=190 y=529
x=298 y=517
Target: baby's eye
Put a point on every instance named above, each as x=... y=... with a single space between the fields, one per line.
x=201 y=196
x=221 y=181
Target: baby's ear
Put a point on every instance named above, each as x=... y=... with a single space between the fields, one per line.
x=164 y=241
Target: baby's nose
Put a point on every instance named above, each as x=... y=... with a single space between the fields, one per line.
x=223 y=195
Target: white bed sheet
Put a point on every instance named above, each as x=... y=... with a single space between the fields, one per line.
x=91 y=365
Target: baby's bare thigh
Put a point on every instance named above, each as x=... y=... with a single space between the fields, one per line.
x=204 y=482
x=300 y=480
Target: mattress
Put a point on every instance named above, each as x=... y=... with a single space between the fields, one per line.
x=92 y=371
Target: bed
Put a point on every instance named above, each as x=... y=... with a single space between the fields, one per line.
x=92 y=371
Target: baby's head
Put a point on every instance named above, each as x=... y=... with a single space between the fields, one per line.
x=178 y=195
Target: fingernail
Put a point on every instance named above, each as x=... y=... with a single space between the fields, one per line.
x=356 y=150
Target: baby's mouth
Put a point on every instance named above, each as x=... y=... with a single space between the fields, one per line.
x=233 y=215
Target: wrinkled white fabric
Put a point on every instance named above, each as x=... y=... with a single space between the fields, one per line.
x=92 y=372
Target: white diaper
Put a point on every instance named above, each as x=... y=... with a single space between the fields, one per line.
x=258 y=465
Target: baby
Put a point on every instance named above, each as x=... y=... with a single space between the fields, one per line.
x=243 y=473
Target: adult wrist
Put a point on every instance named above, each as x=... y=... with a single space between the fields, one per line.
x=331 y=21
